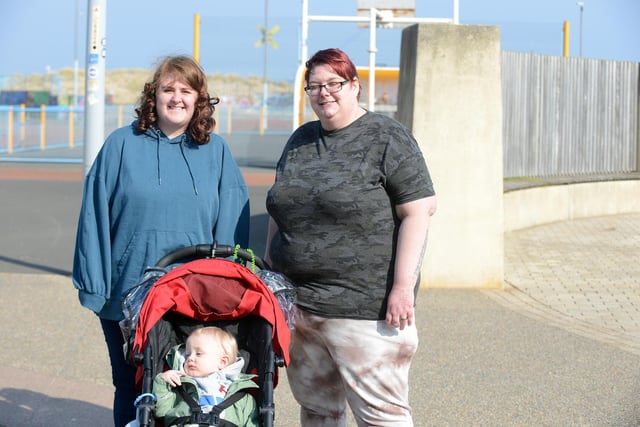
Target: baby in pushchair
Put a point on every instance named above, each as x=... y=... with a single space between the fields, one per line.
x=206 y=292
x=206 y=382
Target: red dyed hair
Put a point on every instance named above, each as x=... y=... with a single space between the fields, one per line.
x=339 y=62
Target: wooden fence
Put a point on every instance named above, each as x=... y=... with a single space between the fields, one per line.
x=568 y=116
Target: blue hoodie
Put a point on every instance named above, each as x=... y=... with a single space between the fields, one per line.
x=145 y=196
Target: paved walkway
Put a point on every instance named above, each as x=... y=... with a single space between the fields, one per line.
x=582 y=275
x=559 y=346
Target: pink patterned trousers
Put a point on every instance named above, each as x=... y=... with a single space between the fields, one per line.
x=360 y=363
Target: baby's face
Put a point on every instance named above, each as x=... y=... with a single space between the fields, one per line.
x=204 y=356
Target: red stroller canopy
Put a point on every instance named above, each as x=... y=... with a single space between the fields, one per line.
x=212 y=289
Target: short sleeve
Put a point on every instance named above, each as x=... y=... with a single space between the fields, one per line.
x=406 y=172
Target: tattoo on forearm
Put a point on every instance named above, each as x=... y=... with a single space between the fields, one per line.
x=423 y=250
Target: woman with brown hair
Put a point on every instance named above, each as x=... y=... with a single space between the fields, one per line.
x=162 y=183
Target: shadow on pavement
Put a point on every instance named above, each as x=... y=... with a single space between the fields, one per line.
x=37 y=268
x=39 y=409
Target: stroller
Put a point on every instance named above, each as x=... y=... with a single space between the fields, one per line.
x=207 y=290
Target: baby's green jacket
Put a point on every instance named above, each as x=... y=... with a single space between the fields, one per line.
x=171 y=406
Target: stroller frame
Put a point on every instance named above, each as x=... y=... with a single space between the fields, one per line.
x=255 y=335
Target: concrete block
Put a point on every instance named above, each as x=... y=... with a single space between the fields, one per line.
x=450 y=97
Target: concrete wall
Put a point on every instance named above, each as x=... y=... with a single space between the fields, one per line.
x=541 y=205
x=450 y=97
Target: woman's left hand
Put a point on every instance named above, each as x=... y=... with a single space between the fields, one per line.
x=400 y=307
x=412 y=240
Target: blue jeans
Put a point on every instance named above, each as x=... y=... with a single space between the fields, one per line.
x=123 y=375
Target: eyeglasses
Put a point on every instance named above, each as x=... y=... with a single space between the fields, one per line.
x=331 y=87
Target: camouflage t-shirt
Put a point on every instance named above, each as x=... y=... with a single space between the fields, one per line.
x=333 y=201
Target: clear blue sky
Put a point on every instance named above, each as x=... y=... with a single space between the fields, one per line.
x=37 y=34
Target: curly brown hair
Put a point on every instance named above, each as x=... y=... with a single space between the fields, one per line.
x=187 y=70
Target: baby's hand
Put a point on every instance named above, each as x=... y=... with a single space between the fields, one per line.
x=172 y=377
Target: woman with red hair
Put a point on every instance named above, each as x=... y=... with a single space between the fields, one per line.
x=350 y=212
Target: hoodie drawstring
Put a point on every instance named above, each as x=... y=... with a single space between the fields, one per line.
x=158 y=159
x=183 y=140
x=184 y=156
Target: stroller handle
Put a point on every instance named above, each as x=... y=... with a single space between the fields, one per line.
x=210 y=250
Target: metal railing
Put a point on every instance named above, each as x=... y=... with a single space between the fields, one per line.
x=47 y=128
x=561 y=116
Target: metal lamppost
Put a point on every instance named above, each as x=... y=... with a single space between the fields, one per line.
x=96 y=53
x=581 y=6
x=266 y=39
x=75 y=55
x=265 y=83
